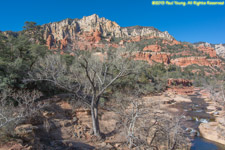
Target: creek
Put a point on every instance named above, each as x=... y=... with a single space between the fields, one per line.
x=195 y=112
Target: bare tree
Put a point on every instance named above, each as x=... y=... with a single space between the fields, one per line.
x=148 y=127
x=89 y=77
x=217 y=91
x=17 y=105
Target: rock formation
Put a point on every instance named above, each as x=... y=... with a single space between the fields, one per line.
x=49 y=41
x=201 y=61
x=26 y=131
x=93 y=32
x=150 y=57
x=219 y=48
x=163 y=57
x=212 y=131
x=208 y=50
x=93 y=26
x=63 y=43
x=173 y=42
x=183 y=82
x=155 y=48
x=97 y=36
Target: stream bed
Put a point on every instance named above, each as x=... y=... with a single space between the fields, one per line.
x=195 y=112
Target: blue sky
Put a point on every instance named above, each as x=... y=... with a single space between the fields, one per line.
x=190 y=23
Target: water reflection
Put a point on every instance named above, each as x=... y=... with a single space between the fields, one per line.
x=201 y=144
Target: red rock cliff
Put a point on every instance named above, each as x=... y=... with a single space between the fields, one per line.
x=201 y=61
x=49 y=41
x=155 y=48
x=150 y=57
x=208 y=50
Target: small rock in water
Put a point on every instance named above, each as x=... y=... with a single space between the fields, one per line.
x=196 y=119
x=194 y=133
x=188 y=129
x=199 y=111
x=216 y=113
x=203 y=120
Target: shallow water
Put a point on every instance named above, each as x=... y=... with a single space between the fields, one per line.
x=197 y=112
x=202 y=144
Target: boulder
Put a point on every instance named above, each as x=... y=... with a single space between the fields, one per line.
x=210 y=131
x=26 y=131
x=176 y=82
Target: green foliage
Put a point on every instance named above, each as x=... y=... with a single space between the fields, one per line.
x=33 y=31
x=68 y=59
x=152 y=79
x=30 y=25
x=115 y=39
x=146 y=79
x=18 y=54
x=176 y=72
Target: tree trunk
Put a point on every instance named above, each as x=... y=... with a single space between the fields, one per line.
x=95 y=121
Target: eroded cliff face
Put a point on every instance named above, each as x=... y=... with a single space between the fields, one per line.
x=92 y=29
x=201 y=61
x=93 y=32
x=151 y=57
x=208 y=50
x=164 y=57
x=219 y=49
x=155 y=48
